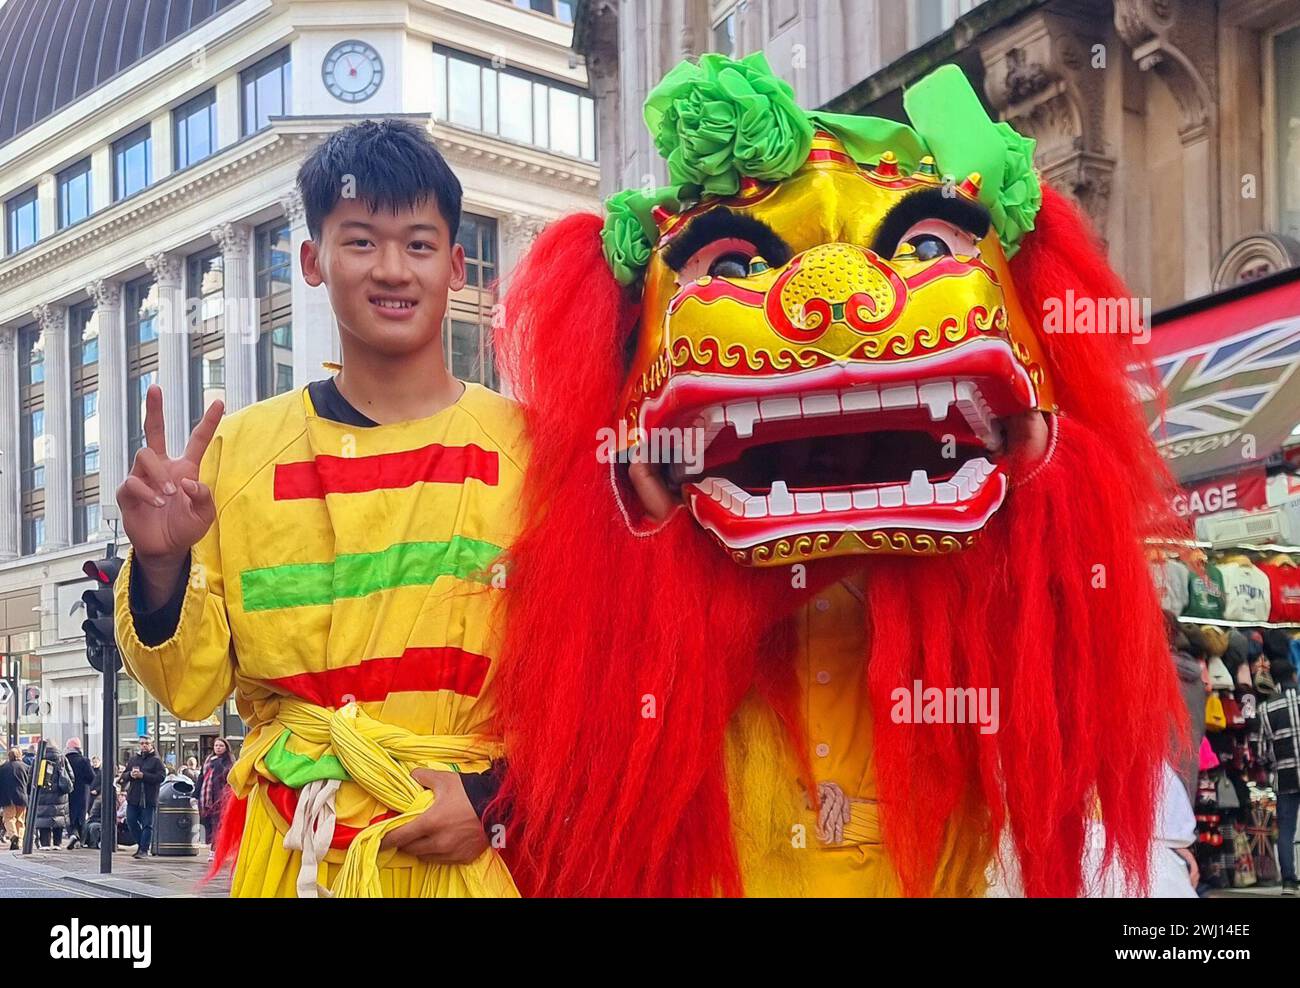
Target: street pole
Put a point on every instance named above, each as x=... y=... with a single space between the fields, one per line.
x=33 y=799
x=108 y=770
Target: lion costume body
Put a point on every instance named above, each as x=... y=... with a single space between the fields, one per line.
x=848 y=311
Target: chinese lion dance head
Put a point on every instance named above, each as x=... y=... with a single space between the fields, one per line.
x=834 y=324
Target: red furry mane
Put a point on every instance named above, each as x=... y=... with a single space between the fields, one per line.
x=606 y=801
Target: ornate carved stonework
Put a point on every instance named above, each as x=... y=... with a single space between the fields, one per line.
x=105 y=292
x=520 y=230
x=1178 y=42
x=50 y=317
x=294 y=210
x=1254 y=257
x=1045 y=75
x=166 y=268
x=232 y=238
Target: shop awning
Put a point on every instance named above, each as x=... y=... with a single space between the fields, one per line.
x=1230 y=366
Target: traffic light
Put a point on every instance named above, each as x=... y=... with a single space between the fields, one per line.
x=98 y=626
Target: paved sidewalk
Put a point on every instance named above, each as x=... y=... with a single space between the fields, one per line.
x=154 y=878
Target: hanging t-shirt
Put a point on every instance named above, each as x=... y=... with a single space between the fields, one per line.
x=1246 y=593
x=1205 y=595
x=1170 y=576
x=1284 y=584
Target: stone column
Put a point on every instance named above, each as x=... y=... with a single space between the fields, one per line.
x=173 y=348
x=113 y=441
x=315 y=337
x=518 y=232
x=10 y=457
x=53 y=320
x=240 y=316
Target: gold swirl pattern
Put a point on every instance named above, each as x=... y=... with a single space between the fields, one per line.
x=823 y=545
x=686 y=350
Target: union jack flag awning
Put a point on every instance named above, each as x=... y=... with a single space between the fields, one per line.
x=1229 y=364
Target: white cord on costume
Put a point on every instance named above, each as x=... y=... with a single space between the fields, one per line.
x=312 y=831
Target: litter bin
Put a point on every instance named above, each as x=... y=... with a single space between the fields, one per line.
x=176 y=828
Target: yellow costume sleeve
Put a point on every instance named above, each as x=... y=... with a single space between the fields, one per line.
x=193 y=671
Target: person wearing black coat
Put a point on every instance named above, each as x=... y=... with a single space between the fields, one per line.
x=143 y=775
x=83 y=777
x=52 y=807
x=14 y=780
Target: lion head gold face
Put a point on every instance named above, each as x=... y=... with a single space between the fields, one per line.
x=846 y=342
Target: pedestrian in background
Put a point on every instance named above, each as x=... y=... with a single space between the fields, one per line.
x=143 y=775
x=82 y=778
x=212 y=789
x=51 y=816
x=15 y=777
x=1280 y=741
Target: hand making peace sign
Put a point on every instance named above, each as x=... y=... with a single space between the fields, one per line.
x=165 y=509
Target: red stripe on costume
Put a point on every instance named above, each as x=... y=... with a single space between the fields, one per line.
x=432 y=464
x=285 y=801
x=416 y=670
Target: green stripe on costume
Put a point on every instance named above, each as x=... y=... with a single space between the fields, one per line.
x=296 y=770
x=357 y=574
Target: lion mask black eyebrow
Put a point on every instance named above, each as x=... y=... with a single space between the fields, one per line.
x=723 y=224
x=930 y=204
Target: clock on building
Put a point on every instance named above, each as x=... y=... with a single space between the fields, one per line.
x=352 y=71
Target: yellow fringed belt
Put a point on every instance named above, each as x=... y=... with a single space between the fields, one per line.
x=379 y=758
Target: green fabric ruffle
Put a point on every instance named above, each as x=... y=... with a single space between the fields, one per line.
x=720 y=119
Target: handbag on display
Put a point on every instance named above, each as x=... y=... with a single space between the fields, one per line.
x=1243 y=866
x=1214 y=716
x=1205 y=790
x=1220 y=678
x=1264 y=684
x=1225 y=793
x=1232 y=712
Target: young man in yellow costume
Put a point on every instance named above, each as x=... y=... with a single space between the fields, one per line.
x=331 y=556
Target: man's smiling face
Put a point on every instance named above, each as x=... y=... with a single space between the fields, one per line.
x=388 y=274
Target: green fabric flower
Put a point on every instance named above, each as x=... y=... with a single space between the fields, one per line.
x=629 y=230
x=720 y=119
x=1021 y=195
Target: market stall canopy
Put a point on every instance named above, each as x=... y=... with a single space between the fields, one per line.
x=1230 y=367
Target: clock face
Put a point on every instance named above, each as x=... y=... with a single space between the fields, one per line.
x=352 y=71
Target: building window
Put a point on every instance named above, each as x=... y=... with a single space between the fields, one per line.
x=31 y=436
x=724 y=33
x=23 y=226
x=561 y=10
x=930 y=18
x=467 y=328
x=469 y=92
x=141 y=302
x=132 y=163
x=83 y=356
x=194 y=129
x=205 y=285
x=74 y=193
x=1286 y=83
x=273 y=281
x=264 y=91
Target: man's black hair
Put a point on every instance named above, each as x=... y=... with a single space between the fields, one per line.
x=387 y=164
